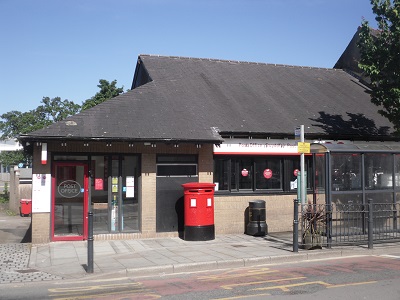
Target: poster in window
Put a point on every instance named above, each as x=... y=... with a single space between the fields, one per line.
x=130 y=186
x=98 y=184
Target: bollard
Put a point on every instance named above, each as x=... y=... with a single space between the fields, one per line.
x=296 y=226
x=90 y=243
x=370 y=225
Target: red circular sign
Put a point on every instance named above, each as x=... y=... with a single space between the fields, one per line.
x=245 y=172
x=267 y=173
x=296 y=172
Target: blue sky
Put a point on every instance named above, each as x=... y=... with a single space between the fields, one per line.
x=60 y=48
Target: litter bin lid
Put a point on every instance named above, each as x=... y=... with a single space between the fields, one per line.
x=198 y=185
x=257 y=201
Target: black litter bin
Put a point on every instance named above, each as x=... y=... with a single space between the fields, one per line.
x=257 y=225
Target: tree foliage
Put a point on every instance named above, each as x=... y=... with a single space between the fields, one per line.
x=14 y=123
x=380 y=58
x=10 y=158
x=107 y=91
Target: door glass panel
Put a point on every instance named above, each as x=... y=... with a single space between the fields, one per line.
x=129 y=209
x=99 y=194
x=69 y=200
x=115 y=192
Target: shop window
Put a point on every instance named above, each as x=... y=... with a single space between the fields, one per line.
x=258 y=173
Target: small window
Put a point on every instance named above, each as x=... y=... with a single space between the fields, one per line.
x=176 y=170
x=177 y=165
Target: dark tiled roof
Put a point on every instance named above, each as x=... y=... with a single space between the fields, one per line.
x=188 y=97
x=351 y=56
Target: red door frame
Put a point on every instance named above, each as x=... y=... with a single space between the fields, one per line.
x=84 y=236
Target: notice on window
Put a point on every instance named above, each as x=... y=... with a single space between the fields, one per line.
x=130 y=186
x=114 y=184
x=99 y=184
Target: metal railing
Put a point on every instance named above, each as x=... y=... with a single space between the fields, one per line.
x=327 y=225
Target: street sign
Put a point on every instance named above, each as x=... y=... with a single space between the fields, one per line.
x=303 y=147
x=297 y=133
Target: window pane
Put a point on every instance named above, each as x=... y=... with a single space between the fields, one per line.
x=378 y=171
x=176 y=159
x=268 y=173
x=221 y=174
x=397 y=170
x=245 y=174
x=176 y=170
x=346 y=171
x=233 y=175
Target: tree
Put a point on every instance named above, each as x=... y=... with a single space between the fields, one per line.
x=380 y=58
x=107 y=91
x=51 y=110
x=10 y=158
x=15 y=123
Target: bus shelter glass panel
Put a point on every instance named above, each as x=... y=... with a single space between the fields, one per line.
x=378 y=171
x=397 y=170
x=346 y=171
x=319 y=178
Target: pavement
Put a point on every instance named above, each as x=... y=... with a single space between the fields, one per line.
x=21 y=261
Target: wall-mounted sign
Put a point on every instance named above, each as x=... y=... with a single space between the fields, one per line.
x=41 y=192
x=69 y=189
x=296 y=172
x=257 y=146
x=245 y=172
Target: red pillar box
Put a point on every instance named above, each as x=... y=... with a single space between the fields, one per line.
x=199 y=211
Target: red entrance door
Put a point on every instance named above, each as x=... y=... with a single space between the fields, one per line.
x=69 y=201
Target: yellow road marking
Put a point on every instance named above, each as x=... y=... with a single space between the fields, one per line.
x=350 y=284
x=242 y=297
x=67 y=293
x=94 y=287
x=286 y=287
x=229 y=276
x=231 y=286
x=123 y=296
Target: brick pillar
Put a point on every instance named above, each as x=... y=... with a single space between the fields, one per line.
x=148 y=195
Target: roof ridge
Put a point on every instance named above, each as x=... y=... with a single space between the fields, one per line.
x=237 y=61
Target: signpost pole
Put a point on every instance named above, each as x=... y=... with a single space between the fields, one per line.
x=302 y=170
x=90 y=228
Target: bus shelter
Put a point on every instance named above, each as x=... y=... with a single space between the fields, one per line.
x=357 y=186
